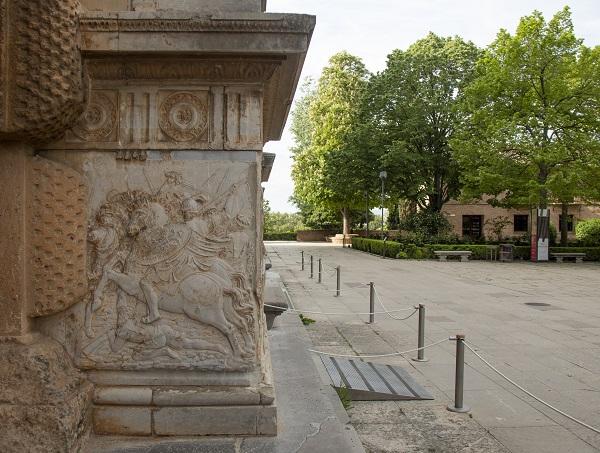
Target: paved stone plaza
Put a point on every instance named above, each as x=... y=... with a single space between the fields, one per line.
x=552 y=350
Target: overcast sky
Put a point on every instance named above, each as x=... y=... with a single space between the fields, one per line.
x=371 y=29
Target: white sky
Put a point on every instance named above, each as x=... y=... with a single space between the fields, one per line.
x=371 y=29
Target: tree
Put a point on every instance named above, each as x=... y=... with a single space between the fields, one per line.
x=328 y=167
x=411 y=115
x=280 y=222
x=532 y=120
x=497 y=225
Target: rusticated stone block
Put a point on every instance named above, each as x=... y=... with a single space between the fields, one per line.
x=58 y=237
x=41 y=82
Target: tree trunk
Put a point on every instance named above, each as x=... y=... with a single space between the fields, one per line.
x=346 y=221
x=564 y=234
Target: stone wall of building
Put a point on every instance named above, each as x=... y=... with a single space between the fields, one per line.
x=455 y=211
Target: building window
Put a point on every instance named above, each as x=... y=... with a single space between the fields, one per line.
x=521 y=223
x=472 y=226
x=569 y=223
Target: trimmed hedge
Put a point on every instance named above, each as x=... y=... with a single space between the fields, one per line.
x=391 y=249
x=479 y=252
x=289 y=236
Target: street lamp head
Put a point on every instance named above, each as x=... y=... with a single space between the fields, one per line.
x=383 y=174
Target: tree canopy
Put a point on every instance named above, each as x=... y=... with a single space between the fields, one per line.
x=410 y=115
x=327 y=169
x=532 y=131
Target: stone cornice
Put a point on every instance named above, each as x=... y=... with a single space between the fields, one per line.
x=135 y=22
x=211 y=69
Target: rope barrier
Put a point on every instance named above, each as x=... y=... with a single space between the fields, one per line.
x=388 y=312
x=373 y=356
x=570 y=417
x=337 y=313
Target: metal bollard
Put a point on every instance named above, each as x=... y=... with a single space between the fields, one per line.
x=371 y=303
x=311 y=267
x=421 y=336
x=459 y=379
x=338 y=271
x=320 y=268
x=302 y=252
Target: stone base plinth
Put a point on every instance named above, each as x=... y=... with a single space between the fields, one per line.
x=184 y=411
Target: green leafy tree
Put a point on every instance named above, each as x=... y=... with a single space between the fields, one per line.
x=281 y=222
x=410 y=115
x=588 y=232
x=532 y=134
x=328 y=167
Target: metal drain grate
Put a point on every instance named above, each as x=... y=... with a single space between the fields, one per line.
x=368 y=381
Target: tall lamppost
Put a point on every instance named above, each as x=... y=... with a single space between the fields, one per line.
x=382 y=176
x=367 y=213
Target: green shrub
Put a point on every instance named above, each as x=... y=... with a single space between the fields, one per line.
x=289 y=236
x=588 y=232
x=306 y=321
x=522 y=252
x=392 y=249
x=425 y=224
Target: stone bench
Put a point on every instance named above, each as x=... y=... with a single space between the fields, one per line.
x=444 y=254
x=560 y=256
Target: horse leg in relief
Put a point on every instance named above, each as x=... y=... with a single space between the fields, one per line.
x=151 y=302
x=130 y=285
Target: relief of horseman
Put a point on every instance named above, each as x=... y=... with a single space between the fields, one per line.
x=172 y=268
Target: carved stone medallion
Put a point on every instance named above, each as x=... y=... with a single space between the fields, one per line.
x=183 y=117
x=99 y=120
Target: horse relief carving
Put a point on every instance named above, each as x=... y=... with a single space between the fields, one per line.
x=167 y=291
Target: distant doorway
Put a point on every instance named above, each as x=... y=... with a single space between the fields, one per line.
x=472 y=226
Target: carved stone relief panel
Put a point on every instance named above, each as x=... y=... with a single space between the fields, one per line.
x=183 y=116
x=163 y=117
x=243 y=118
x=171 y=283
x=57 y=237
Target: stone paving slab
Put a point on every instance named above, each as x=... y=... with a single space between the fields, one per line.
x=552 y=352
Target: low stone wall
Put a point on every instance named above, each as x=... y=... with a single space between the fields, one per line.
x=314 y=235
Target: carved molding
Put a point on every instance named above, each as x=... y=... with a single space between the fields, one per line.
x=58 y=237
x=207 y=70
x=288 y=24
x=184 y=117
x=41 y=83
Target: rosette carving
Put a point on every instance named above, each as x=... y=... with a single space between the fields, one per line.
x=184 y=117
